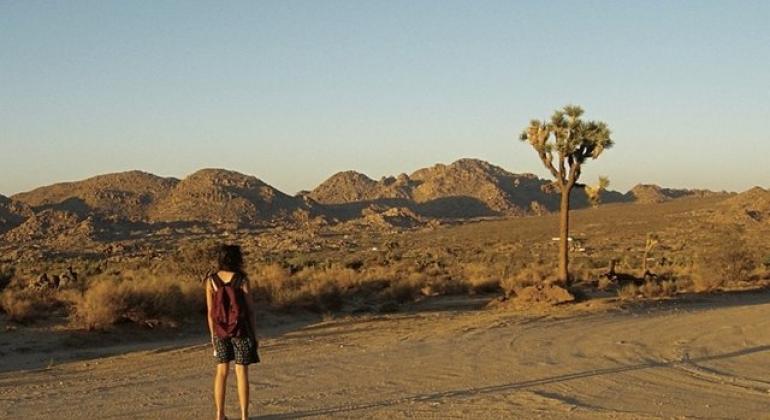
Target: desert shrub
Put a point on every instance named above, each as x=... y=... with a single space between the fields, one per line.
x=270 y=283
x=655 y=289
x=6 y=274
x=407 y=288
x=100 y=306
x=668 y=288
x=584 y=273
x=444 y=285
x=703 y=281
x=328 y=287
x=300 y=262
x=726 y=260
x=23 y=305
x=531 y=275
x=482 y=278
x=354 y=263
x=193 y=261
x=313 y=288
x=604 y=283
x=323 y=289
x=629 y=291
x=139 y=297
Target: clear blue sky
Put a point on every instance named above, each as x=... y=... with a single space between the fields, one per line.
x=293 y=91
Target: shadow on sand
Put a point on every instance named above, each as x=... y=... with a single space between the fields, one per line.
x=467 y=392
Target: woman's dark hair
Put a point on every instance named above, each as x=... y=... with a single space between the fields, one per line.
x=230 y=258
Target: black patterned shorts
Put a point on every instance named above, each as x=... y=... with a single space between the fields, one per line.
x=243 y=350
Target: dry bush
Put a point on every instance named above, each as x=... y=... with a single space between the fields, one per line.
x=6 y=274
x=270 y=283
x=629 y=291
x=139 y=297
x=668 y=288
x=323 y=289
x=604 y=283
x=408 y=288
x=650 y=289
x=531 y=275
x=100 y=306
x=585 y=273
x=313 y=288
x=482 y=278
x=725 y=261
x=193 y=261
x=23 y=305
x=655 y=289
x=444 y=285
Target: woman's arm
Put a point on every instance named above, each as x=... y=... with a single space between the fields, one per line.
x=250 y=306
x=209 y=297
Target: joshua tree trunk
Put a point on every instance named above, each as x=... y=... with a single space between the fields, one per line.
x=564 y=237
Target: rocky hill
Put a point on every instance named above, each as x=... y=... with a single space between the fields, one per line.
x=54 y=226
x=465 y=188
x=751 y=206
x=12 y=213
x=352 y=186
x=651 y=193
x=471 y=186
x=120 y=196
x=221 y=196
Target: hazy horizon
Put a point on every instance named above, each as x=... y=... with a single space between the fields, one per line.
x=292 y=92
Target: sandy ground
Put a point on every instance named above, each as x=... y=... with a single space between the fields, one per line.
x=702 y=358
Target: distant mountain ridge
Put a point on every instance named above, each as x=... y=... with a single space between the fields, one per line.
x=118 y=196
x=466 y=188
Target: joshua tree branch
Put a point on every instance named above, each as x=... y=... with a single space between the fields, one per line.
x=547 y=158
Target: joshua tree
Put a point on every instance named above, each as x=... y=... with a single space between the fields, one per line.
x=594 y=193
x=570 y=141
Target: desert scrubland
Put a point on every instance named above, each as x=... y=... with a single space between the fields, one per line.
x=423 y=295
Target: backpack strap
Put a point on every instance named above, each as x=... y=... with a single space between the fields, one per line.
x=216 y=282
x=237 y=281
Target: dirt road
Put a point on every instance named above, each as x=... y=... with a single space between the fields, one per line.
x=698 y=359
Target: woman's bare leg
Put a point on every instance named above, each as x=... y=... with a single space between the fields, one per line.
x=242 y=377
x=220 y=382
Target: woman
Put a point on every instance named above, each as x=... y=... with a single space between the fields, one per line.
x=232 y=324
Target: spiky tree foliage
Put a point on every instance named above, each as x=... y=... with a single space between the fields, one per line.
x=594 y=192
x=564 y=144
